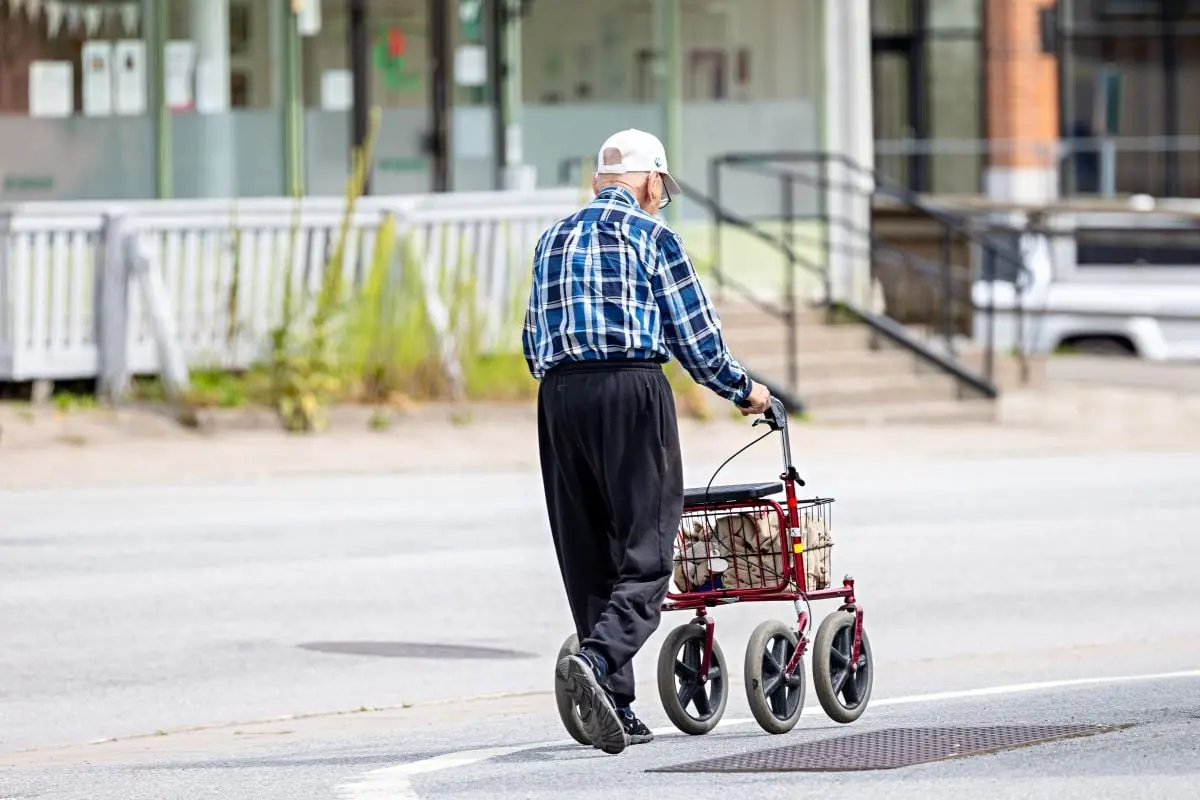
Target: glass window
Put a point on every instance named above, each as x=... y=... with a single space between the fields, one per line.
x=398 y=64
x=1158 y=61
x=928 y=88
x=226 y=124
x=749 y=78
x=1138 y=247
x=893 y=125
x=953 y=88
x=253 y=49
x=399 y=57
x=892 y=17
x=955 y=15
x=75 y=107
x=1145 y=8
x=1186 y=79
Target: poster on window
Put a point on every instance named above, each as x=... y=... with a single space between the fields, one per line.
x=96 y=58
x=308 y=17
x=337 y=90
x=470 y=65
x=129 y=69
x=179 y=64
x=51 y=89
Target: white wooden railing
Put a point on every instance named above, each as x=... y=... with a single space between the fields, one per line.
x=50 y=253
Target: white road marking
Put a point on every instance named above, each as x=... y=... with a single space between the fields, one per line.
x=393 y=783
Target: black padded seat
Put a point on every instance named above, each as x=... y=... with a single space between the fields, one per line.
x=736 y=493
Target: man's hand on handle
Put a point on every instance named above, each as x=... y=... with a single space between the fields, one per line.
x=758 y=402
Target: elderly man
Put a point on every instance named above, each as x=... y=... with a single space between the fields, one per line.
x=614 y=297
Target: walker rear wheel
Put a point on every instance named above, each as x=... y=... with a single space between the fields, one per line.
x=568 y=712
x=843 y=692
x=694 y=705
x=776 y=699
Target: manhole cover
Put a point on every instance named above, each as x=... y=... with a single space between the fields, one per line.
x=413 y=650
x=890 y=749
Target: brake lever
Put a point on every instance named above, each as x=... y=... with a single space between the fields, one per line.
x=793 y=475
x=771 y=416
x=775 y=426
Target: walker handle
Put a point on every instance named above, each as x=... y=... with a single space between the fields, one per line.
x=775 y=416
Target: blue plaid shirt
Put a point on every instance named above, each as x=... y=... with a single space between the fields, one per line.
x=613 y=282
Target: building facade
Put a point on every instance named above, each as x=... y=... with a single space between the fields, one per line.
x=113 y=99
x=1029 y=98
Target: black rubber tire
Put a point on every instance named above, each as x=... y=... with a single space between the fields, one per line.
x=567 y=711
x=687 y=642
x=844 y=699
x=780 y=712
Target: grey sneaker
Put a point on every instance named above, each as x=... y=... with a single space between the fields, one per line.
x=596 y=711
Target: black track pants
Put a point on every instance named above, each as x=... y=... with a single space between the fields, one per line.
x=613 y=477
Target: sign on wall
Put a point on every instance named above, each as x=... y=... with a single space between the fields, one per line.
x=129 y=68
x=308 y=16
x=97 y=58
x=470 y=65
x=391 y=49
x=51 y=89
x=337 y=90
x=179 y=64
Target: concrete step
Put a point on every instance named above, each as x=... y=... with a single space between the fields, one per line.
x=831 y=364
x=745 y=314
x=945 y=412
x=842 y=379
x=809 y=338
x=832 y=393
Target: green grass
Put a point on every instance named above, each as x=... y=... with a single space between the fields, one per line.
x=213 y=388
x=66 y=402
x=501 y=376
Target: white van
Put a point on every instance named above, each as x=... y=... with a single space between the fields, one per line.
x=1113 y=282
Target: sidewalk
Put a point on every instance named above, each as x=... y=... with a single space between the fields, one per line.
x=40 y=448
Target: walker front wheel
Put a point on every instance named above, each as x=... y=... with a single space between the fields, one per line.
x=568 y=712
x=694 y=702
x=844 y=689
x=776 y=697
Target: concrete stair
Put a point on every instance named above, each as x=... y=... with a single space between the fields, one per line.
x=845 y=374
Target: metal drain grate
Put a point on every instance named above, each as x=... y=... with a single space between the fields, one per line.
x=890 y=749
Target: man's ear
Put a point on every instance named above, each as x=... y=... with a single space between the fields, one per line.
x=653 y=184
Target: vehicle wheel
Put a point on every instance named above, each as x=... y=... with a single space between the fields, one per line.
x=776 y=700
x=843 y=693
x=693 y=706
x=568 y=712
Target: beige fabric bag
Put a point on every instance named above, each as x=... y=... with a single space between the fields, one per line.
x=815 y=536
x=753 y=541
x=698 y=559
x=747 y=551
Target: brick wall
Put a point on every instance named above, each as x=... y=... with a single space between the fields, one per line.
x=1022 y=86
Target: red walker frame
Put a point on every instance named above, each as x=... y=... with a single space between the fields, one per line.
x=794 y=568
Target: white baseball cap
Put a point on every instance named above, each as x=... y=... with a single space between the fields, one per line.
x=639 y=152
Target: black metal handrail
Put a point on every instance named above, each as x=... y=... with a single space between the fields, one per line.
x=935 y=274
x=939 y=276
x=881 y=185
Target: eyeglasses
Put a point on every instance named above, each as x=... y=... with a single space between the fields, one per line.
x=666 y=195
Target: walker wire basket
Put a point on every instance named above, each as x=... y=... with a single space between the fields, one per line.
x=744 y=549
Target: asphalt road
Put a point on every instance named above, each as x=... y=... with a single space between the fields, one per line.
x=133 y=612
